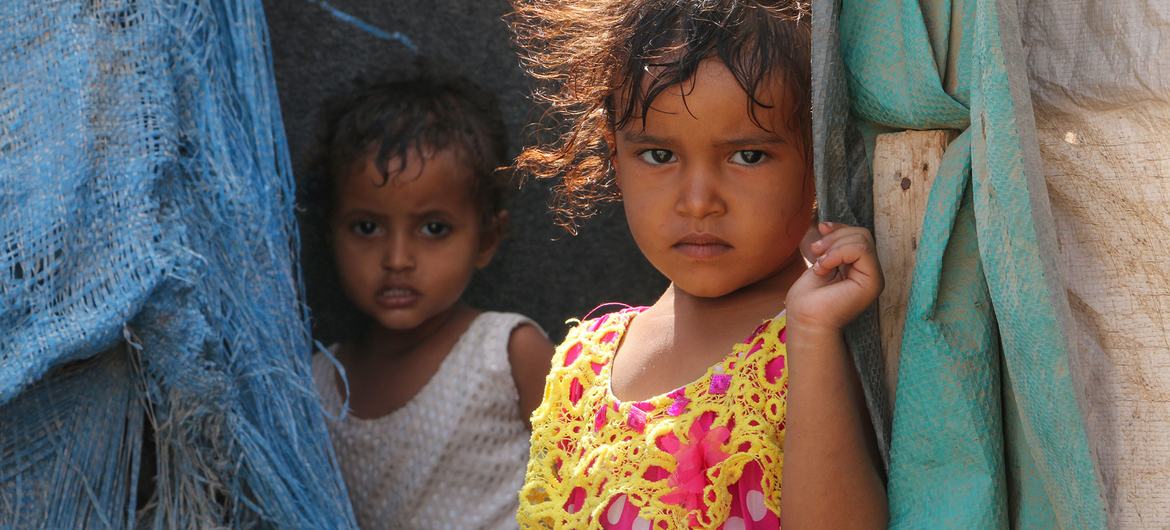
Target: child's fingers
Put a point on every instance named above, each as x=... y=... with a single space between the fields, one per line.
x=837 y=234
x=828 y=227
x=810 y=237
x=852 y=251
x=843 y=253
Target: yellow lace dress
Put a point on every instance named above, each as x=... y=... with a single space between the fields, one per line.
x=706 y=455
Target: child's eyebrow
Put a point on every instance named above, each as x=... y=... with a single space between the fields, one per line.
x=432 y=212
x=759 y=139
x=744 y=141
x=360 y=212
x=643 y=138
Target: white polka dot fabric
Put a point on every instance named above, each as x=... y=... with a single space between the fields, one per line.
x=451 y=458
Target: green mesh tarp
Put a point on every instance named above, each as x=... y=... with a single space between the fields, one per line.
x=987 y=432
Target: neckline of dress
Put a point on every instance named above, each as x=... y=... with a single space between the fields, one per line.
x=629 y=315
x=444 y=367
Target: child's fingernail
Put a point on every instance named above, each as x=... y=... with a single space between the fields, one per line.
x=818 y=243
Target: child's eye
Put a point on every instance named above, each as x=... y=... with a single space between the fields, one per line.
x=657 y=156
x=748 y=157
x=364 y=228
x=435 y=229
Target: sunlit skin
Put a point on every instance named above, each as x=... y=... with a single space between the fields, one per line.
x=405 y=251
x=713 y=201
x=720 y=205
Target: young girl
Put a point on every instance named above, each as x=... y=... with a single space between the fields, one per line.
x=438 y=393
x=697 y=410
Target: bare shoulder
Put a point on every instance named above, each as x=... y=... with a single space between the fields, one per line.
x=530 y=354
x=529 y=343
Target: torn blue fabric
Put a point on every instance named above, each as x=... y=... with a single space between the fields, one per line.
x=148 y=274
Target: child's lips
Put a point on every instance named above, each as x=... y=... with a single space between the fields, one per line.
x=396 y=297
x=702 y=246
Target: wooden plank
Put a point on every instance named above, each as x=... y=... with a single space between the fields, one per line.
x=904 y=168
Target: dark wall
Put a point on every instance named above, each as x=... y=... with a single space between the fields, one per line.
x=541 y=270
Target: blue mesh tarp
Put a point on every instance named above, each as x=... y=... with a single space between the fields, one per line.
x=986 y=432
x=147 y=274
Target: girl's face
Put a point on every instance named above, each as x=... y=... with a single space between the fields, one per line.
x=406 y=249
x=715 y=202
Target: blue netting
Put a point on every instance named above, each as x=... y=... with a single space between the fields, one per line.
x=147 y=245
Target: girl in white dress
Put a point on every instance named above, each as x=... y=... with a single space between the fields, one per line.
x=435 y=433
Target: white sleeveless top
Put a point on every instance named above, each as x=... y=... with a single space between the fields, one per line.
x=454 y=456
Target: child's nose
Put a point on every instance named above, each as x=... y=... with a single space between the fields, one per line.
x=398 y=254
x=699 y=196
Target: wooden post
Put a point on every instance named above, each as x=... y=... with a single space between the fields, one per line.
x=904 y=167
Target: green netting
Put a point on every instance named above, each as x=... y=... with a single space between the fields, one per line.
x=987 y=432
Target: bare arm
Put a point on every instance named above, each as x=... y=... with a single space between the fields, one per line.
x=530 y=354
x=830 y=477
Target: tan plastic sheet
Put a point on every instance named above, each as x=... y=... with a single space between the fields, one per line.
x=1100 y=80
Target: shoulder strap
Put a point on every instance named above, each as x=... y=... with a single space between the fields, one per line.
x=325 y=382
x=495 y=333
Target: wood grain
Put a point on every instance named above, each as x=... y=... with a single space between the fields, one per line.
x=904 y=168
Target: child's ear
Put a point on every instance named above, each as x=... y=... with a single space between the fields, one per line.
x=490 y=237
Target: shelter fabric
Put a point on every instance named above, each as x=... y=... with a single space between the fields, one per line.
x=987 y=432
x=147 y=246
x=1100 y=82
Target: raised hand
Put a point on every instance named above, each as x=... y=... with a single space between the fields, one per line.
x=845 y=278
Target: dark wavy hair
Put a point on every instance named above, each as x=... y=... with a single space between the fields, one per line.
x=583 y=53
x=384 y=118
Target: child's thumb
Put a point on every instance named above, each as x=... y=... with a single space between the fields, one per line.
x=810 y=237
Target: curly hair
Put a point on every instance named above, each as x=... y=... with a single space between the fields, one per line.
x=384 y=118
x=584 y=52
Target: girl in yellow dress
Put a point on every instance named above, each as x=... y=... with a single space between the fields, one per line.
x=693 y=412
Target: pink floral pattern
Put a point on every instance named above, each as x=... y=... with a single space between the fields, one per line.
x=703 y=450
x=747 y=511
x=721 y=433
